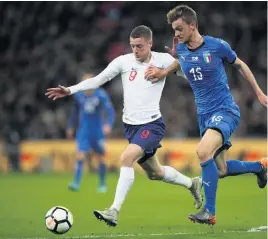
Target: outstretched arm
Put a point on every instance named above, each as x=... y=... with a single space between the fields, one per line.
x=247 y=74
x=113 y=69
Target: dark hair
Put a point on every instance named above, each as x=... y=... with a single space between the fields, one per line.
x=142 y=31
x=182 y=11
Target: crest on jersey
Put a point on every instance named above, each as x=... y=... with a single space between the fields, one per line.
x=207 y=56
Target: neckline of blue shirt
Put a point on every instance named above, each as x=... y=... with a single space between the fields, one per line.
x=195 y=49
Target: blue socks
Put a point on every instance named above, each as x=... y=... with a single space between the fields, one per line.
x=78 y=171
x=210 y=177
x=102 y=174
x=210 y=184
x=237 y=167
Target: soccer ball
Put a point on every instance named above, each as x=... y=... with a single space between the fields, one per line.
x=59 y=220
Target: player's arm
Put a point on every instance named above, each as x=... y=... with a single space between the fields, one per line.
x=154 y=74
x=72 y=121
x=248 y=75
x=227 y=54
x=110 y=113
x=112 y=70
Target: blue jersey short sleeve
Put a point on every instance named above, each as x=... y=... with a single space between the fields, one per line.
x=226 y=52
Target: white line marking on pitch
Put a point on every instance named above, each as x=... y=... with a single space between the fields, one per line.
x=256 y=229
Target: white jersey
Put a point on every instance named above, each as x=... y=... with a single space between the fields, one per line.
x=141 y=97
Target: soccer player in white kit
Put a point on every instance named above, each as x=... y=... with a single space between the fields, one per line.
x=144 y=126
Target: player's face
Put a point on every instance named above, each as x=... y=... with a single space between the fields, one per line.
x=141 y=48
x=183 y=31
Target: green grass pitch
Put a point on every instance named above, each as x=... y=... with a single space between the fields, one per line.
x=152 y=209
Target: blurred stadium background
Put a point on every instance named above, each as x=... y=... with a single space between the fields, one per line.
x=43 y=44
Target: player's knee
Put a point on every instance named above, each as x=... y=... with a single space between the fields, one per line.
x=126 y=160
x=131 y=155
x=203 y=153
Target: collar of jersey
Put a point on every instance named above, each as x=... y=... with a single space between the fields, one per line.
x=195 y=49
x=144 y=63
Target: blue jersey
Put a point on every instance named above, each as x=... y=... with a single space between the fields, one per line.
x=204 y=68
x=90 y=109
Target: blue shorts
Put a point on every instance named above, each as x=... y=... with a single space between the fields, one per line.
x=147 y=136
x=86 y=142
x=224 y=121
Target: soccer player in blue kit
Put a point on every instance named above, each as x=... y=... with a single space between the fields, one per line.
x=201 y=58
x=89 y=109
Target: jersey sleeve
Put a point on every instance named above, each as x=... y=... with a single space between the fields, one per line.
x=108 y=107
x=226 y=52
x=112 y=70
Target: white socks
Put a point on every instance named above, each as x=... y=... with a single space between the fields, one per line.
x=124 y=184
x=126 y=180
x=172 y=176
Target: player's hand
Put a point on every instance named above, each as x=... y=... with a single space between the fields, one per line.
x=173 y=50
x=58 y=92
x=263 y=99
x=154 y=74
x=70 y=133
x=107 y=129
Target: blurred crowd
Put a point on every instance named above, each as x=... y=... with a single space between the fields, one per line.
x=43 y=44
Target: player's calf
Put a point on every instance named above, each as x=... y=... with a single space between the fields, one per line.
x=155 y=175
x=222 y=173
x=170 y=175
x=220 y=160
x=102 y=188
x=75 y=185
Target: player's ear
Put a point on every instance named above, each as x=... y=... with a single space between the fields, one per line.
x=151 y=43
x=193 y=25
